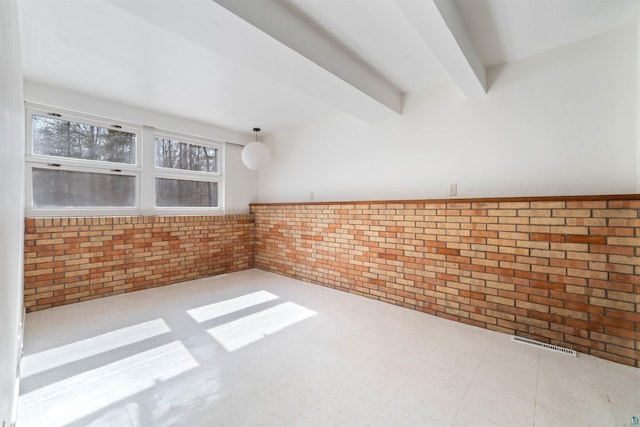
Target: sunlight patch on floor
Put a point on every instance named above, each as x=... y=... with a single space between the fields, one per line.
x=219 y=309
x=249 y=329
x=73 y=398
x=78 y=350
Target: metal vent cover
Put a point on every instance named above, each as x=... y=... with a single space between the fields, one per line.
x=545 y=346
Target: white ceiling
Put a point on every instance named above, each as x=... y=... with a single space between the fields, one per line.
x=279 y=63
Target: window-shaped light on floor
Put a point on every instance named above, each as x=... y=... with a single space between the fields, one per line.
x=78 y=350
x=84 y=394
x=222 y=308
x=249 y=329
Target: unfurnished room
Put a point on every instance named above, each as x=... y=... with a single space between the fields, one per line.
x=319 y=213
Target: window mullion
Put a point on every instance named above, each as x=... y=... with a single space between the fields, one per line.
x=148 y=176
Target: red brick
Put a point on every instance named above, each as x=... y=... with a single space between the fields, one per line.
x=548 y=237
x=576 y=238
x=228 y=246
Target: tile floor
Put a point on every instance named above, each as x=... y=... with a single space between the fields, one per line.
x=254 y=348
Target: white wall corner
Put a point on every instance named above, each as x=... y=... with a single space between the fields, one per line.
x=12 y=207
x=638 y=105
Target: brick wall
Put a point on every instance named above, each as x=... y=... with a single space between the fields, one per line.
x=75 y=259
x=558 y=270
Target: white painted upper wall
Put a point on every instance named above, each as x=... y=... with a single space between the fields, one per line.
x=559 y=123
x=241 y=183
x=11 y=205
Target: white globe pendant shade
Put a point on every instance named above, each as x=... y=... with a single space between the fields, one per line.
x=255 y=155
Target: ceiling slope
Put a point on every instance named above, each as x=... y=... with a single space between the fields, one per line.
x=436 y=21
x=276 y=64
x=379 y=35
x=504 y=31
x=366 y=95
x=327 y=73
x=297 y=53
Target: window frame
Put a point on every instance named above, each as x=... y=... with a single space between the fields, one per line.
x=144 y=169
x=84 y=119
x=43 y=161
x=188 y=175
x=77 y=211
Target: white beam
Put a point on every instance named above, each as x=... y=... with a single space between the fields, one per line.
x=267 y=37
x=277 y=20
x=440 y=26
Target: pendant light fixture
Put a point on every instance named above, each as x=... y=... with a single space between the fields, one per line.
x=256 y=155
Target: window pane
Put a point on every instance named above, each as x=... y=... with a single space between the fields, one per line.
x=183 y=193
x=63 y=138
x=61 y=189
x=181 y=155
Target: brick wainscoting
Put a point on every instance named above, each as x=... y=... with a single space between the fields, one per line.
x=75 y=259
x=558 y=270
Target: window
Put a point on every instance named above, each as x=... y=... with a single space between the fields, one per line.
x=54 y=136
x=82 y=165
x=60 y=189
x=187 y=173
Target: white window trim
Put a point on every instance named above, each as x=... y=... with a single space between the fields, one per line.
x=160 y=172
x=144 y=169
